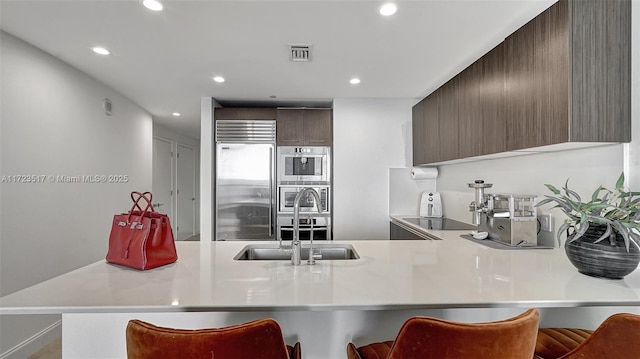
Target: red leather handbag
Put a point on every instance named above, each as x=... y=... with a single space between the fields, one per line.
x=142 y=238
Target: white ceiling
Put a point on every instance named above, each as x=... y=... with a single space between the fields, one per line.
x=164 y=61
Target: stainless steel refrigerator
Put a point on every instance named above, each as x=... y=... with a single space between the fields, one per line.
x=245 y=194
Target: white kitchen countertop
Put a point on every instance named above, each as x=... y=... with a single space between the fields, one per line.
x=449 y=273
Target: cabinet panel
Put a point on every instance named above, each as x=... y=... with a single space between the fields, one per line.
x=397 y=232
x=536 y=75
x=601 y=71
x=491 y=92
x=425 y=131
x=290 y=127
x=431 y=130
x=448 y=121
x=470 y=126
x=242 y=113
x=301 y=127
x=318 y=127
x=563 y=77
x=418 y=133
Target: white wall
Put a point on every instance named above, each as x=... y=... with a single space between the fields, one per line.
x=52 y=123
x=586 y=168
x=369 y=137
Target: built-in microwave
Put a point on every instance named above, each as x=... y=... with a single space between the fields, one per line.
x=304 y=164
x=287 y=196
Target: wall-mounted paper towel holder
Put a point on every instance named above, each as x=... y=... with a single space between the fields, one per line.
x=420 y=173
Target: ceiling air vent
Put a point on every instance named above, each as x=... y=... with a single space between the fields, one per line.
x=299 y=52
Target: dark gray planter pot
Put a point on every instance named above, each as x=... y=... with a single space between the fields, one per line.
x=602 y=259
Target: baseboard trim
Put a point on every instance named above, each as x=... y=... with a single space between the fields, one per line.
x=35 y=343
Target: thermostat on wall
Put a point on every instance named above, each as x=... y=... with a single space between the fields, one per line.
x=107 y=106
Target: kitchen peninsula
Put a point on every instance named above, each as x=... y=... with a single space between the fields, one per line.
x=324 y=306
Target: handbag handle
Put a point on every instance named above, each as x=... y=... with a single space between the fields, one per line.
x=136 y=205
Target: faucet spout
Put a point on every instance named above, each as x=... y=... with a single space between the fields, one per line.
x=295 y=244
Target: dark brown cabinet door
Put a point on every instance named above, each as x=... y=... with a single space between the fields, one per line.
x=417 y=133
x=426 y=136
x=431 y=131
x=600 y=70
x=318 y=127
x=562 y=77
x=299 y=127
x=470 y=126
x=491 y=92
x=448 y=120
x=537 y=82
x=290 y=128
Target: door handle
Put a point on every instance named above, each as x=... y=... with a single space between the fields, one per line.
x=158 y=204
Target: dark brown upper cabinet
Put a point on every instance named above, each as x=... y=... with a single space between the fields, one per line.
x=448 y=120
x=537 y=86
x=304 y=127
x=464 y=117
x=481 y=124
x=568 y=76
x=245 y=113
x=563 y=77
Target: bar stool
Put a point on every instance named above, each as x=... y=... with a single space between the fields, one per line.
x=617 y=337
x=431 y=338
x=259 y=339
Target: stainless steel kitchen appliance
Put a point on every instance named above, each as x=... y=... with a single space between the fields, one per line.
x=318 y=224
x=309 y=219
x=310 y=165
x=287 y=195
x=430 y=204
x=512 y=219
x=299 y=168
x=245 y=191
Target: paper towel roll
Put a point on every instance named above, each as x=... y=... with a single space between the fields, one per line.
x=419 y=173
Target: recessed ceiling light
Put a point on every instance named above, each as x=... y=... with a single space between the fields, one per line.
x=176 y=114
x=218 y=79
x=354 y=81
x=154 y=5
x=388 y=9
x=100 y=50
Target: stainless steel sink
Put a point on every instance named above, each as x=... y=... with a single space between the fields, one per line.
x=321 y=251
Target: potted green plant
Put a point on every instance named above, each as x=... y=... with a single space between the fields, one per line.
x=605 y=236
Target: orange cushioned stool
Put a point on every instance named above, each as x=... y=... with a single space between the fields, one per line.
x=553 y=343
x=259 y=339
x=431 y=338
x=617 y=337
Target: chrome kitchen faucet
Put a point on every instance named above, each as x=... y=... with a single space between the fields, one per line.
x=295 y=244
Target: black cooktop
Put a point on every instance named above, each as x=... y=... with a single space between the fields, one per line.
x=440 y=223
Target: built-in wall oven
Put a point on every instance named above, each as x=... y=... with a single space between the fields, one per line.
x=309 y=218
x=304 y=164
x=319 y=225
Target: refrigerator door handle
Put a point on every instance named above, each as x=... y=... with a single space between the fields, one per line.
x=273 y=198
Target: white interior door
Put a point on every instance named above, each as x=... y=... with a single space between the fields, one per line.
x=186 y=188
x=163 y=177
